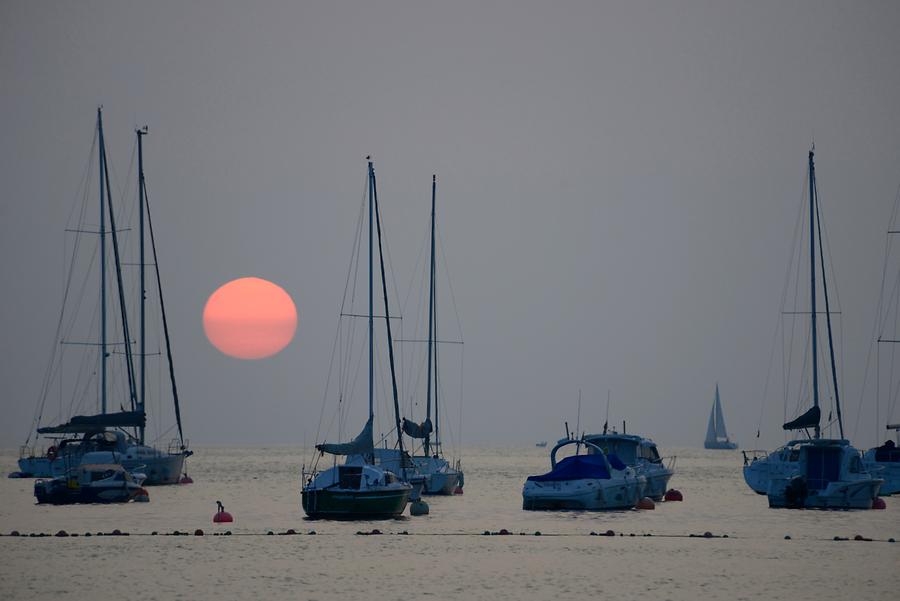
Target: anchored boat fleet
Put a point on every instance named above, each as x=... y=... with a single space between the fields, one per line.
x=104 y=456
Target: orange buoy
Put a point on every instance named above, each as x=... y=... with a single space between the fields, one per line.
x=879 y=503
x=222 y=516
x=674 y=495
x=646 y=503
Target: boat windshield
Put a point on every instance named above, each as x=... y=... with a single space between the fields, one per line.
x=649 y=453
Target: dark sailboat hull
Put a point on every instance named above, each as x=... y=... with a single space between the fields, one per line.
x=342 y=504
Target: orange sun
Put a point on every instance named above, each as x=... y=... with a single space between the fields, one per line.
x=250 y=318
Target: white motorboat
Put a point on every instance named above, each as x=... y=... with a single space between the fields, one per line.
x=90 y=483
x=642 y=455
x=593 y=481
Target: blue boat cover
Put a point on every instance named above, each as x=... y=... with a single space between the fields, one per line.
x=576 y=467
x=616 y=463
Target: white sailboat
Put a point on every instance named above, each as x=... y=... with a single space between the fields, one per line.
x=716 y=434
x=884 y=460
x=117 y=432
x=815 y=472
x=441 y=478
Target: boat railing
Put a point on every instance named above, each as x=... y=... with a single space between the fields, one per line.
x=177 y=447
x=754 y=455
x=669 y=462
x=27 y=452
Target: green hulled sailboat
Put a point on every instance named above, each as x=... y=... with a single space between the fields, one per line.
x=359 y=489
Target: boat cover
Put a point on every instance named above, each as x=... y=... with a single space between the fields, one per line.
x=576 y=467
x=616 y=463
x=361 y=445
x=97 y=423
x=414 y=430
x=810 y=419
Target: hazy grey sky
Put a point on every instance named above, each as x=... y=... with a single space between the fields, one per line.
x=618 y=184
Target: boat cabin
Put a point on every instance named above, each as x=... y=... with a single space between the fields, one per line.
x=84 y=475
x=630 y=449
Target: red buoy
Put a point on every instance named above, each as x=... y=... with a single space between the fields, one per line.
x=185 y=479
x=458 y=490
x=222 y=516
x=879 y=503
x=674 y=495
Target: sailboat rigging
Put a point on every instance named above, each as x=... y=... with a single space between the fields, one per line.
x=441 y=478
x=815 y=472
x=119 y=435
x=361 y=488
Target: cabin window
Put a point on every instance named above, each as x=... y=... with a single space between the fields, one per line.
x=95 y=476
x=855 y=465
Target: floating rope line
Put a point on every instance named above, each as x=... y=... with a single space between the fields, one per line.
x=376 y=532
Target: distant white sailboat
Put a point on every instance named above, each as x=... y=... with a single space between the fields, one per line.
x=716 y=434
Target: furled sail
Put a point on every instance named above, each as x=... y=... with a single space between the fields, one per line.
x=810 y=419
x=363 y=444
x=414 y=430
x=96 y=423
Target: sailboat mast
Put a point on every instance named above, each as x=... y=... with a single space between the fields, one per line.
x=430 y=319
x=812 y=277
x=837 y=394
x=103 y=353
x=387 y=322
x=371 y=311
x=143 y=389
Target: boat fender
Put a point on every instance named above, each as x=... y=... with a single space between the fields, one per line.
x=142 y=496
x=185 y=479
x=879 y=503
x=646 y=503
x=51 y=453
x=458 y=490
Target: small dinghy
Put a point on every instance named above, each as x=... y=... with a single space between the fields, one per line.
x=594 y=482
x=90 y=483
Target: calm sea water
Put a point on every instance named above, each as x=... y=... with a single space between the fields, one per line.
x=445 y=555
